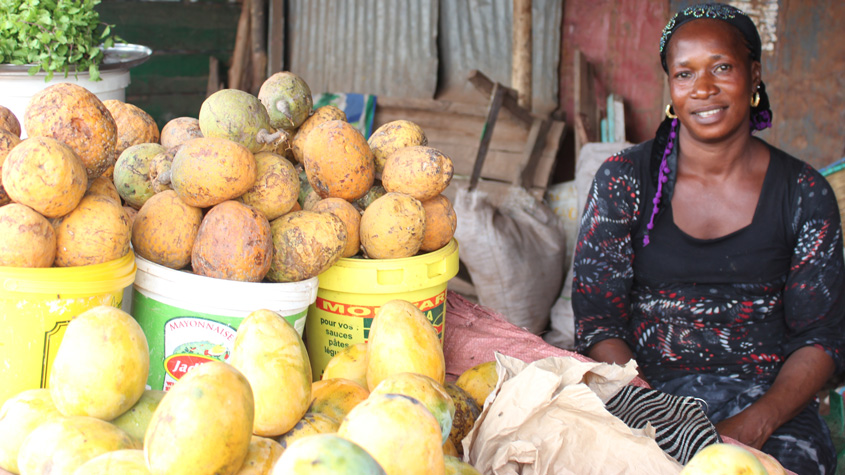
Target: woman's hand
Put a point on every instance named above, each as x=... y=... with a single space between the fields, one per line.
x=613 y=351
x=752 y=427
x=803 y=374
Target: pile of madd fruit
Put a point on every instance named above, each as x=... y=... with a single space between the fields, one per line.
x=256 y=188
x=381 y=407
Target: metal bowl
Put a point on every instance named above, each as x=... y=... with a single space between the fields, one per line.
x=119 y=56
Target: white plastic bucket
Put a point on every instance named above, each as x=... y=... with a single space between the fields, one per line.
x=17 y=88
x=190 y=319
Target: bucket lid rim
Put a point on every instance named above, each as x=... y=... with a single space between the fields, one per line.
x=91 y=279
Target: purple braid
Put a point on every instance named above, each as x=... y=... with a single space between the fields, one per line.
x=661 y=178
x=761 y=120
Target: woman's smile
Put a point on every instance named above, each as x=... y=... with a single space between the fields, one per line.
x=710 y=114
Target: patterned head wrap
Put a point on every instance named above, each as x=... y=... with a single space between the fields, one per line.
x=664 y=153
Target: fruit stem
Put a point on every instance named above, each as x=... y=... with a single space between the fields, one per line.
x=263 y=136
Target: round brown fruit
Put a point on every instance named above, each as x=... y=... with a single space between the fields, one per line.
x=75 y=116
x=351 y=220
x=134 y=126
x=440 y=223
x=234 y=243
x=180 y=130
x=165 y=229
x=305 y=245
x=27 y=239
x=338 y=161
x=45 y=175
x=393 y=227
x=322 y=114
x=422 y=172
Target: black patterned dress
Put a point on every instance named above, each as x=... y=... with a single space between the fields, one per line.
x=735 y=306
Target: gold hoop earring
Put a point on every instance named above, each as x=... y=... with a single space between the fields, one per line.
x=755 y=99
x=669 y=113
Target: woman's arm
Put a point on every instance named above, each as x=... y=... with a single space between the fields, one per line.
x=814 y=304
x=603 y=261
x=802 y=376
x=615 y=351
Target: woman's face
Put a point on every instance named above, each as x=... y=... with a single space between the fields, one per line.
x=711 y=79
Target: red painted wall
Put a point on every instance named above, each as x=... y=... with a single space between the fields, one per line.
x=620 y=39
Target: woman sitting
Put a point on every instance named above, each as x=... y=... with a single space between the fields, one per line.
x=714 y=259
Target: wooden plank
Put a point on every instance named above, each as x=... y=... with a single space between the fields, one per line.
x=451 y=107
x=496 y=98
x=586 y=109
x=485 y=85
x=214 y=81
x=258 y=44
x=533 y=149
x=521 y=52
x=276 y=37
x=239 y=53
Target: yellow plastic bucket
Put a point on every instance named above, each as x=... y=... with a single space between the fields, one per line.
x=37 y=304
x=352 y=290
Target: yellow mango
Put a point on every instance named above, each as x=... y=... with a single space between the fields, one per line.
x=270 y=353
x=349 y=363
x=326 y=454
x=261 y=457
x=102 y=365
x=124 y=462
x=399 y=432
x=203 y=425
x=479 y=381
x=403 y=340
x=723 y=459
x=425 y=390
x=62 y=444
x=312 y=423
x=136 y=420
x=19 y=416
x=336 y=397
x=449 y=449
x=466 y=412
x=456 y=466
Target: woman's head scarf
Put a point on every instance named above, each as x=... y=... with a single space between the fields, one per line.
x=664 y=153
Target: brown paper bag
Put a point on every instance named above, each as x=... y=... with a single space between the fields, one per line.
x=548 y=417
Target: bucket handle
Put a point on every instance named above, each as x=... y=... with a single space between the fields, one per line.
x=396 y=276
x=436 y=269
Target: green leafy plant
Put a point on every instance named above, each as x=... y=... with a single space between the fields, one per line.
x=56 y=36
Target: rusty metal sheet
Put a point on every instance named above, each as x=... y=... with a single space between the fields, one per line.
x=476 y=34
x=366 y=46
x=805 y=80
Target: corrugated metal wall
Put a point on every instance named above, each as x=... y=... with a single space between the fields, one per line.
x=476 y=34
x=390 y=48
x=365 y=46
